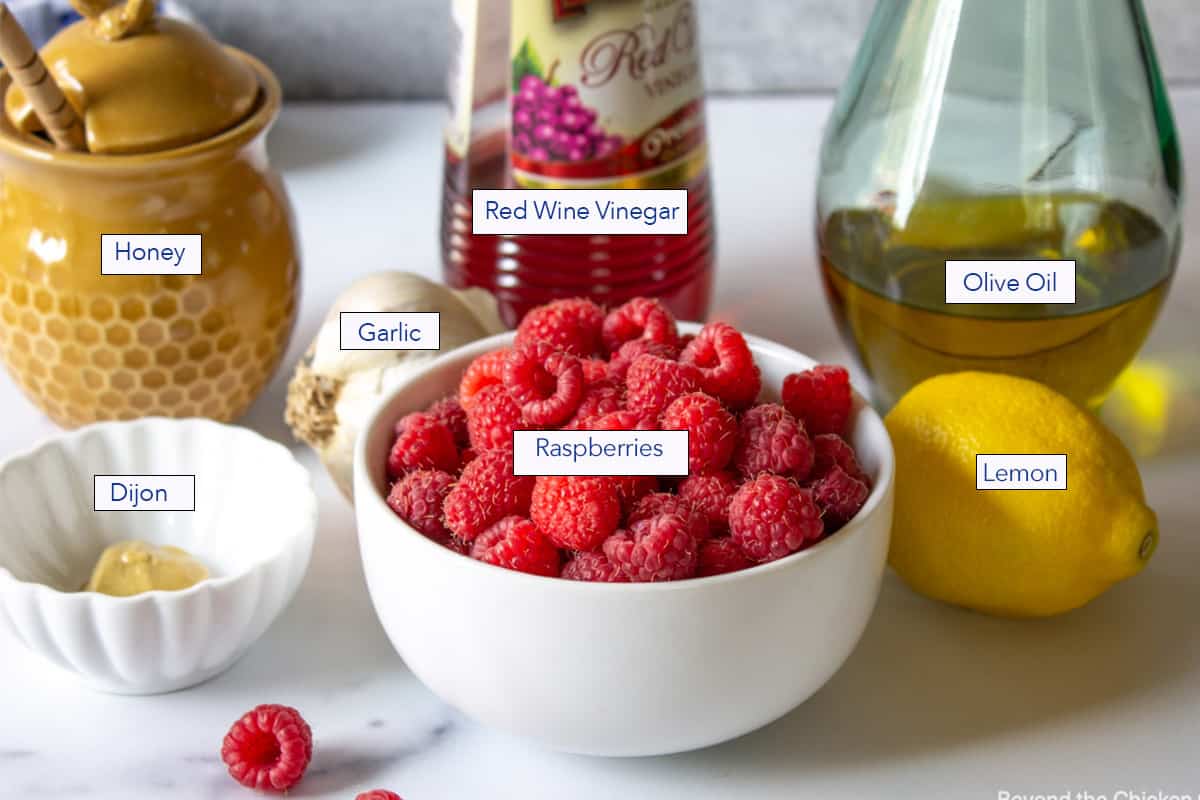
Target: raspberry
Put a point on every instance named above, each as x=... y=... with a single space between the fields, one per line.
x=467 y=456
x=595 y=370
x=632 y=488
x=577 y=513
x=598 y=399
x=771 y=440
x=640 y=318
x=832 y=450
x=820 y=398
x=839 y=496
x=624 y=420
x=571 y=325
x=493 y=417
x=515 y=543
x=484 y=371
x=486 y=492
x=268 y=748
x=378 y=794
x=712 y=431
x=423 y=443
x=451 y=414
x=710 y=493
x=659 y=503
x=726 y=365
x=594 y=567
x=658 y=549
x=653 y=383
x=618 y=365
x=719 y=556
x=771 y=517
x=546 y=383
x=417 y=499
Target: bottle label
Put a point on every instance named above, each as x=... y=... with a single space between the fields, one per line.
x=606 y=94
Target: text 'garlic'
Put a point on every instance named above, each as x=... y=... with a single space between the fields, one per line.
x=332 y=390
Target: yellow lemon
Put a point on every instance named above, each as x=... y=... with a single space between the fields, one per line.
x=1014 y=552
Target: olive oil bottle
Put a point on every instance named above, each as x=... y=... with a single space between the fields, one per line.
x=886 y=286
x=1017 y=131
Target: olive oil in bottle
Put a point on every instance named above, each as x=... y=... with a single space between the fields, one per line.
x=886 y=285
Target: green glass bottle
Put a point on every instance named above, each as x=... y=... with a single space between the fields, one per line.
x=1015 y=130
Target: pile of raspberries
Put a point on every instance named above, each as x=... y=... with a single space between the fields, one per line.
x=765 y=480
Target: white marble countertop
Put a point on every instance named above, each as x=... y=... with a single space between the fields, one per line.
x=935 y=702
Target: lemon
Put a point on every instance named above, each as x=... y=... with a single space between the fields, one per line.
x=1013 y=553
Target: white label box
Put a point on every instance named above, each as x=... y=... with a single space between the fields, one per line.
x=1010 y=282
x=1014 y=471
x=390 y=330
x=600 y=453
x=580 y=211
x=144 y=492
x=151 y=254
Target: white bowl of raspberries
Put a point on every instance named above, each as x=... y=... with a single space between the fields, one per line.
x=625 y=616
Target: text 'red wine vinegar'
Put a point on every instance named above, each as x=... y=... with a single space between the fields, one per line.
x=578 y=94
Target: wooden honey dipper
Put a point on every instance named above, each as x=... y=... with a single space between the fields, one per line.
x=28 y=71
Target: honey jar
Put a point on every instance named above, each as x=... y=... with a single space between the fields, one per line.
x=175 y=144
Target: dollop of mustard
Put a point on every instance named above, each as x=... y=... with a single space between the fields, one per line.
x=129 y=568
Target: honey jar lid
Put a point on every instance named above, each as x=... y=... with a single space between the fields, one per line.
x=142 y=83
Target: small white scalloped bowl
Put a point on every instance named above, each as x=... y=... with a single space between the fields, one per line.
x=620 y=669
x=253 y=527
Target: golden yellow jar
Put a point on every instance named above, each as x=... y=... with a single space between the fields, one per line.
x=85 y=346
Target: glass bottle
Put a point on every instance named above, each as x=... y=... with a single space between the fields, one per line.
x=1016 y=130
x=578 y=94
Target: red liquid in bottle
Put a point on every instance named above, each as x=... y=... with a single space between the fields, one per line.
x=662 y=146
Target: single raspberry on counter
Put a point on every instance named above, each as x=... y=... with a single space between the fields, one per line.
x=640 y=318
x=423 y=443
x=484 y=371
x=618 y=365
x=451 y=413
x=726 y=365
x=593 y=567
x=576 y=512
x=598 y=399
x=269 y=748
x=832 y=450
x=839 y=496
x=378 y=794
x=653 y=383
x=661 y=548
x=486 y=492
x=572 y=325
x=417 y=499
x=820 y=398
x=721 y=556
x=546 y=383
x=771 y=440
x=516 y=543
x=712 y=431
x=771 y=517
x=659 y=503
x=710 y=493
x=493 y=417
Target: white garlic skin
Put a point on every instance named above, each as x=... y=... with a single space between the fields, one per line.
x=332 y=390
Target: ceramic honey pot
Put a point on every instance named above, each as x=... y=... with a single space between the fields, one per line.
x=176 y=131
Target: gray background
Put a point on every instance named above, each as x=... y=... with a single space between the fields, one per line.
x=397 y=48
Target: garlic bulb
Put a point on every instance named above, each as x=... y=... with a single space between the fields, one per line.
x=332 y=390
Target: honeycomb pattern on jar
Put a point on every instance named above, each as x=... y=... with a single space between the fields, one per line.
x=175 y=352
